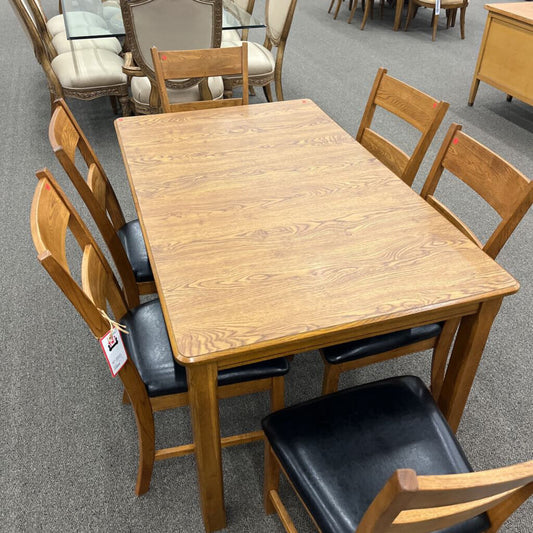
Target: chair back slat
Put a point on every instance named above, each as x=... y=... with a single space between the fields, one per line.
x=394 y=158
x=504 y=188
x=409 y=104
x=421 y=504
x=179 y=64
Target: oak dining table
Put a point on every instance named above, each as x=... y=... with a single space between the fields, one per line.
x=271 y=231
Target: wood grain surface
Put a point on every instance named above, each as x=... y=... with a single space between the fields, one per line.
x=270 y=230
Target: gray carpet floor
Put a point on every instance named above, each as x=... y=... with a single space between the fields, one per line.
x=68 y=451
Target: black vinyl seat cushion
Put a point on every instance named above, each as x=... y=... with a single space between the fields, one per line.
x=149 y=347
x=350 y=351
x=132 y=239
x=339 y=450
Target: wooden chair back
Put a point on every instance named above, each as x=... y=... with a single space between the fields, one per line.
x=419 y=504
x=502 y=186
x=179 y=64
x=52 y=217
x=413 y=106
x=69 y=143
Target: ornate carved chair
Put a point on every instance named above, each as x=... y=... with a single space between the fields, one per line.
x=84 y=74
x=168 y=25
x=234 y=35
x=152 y=380
x=507 y=191
x=263 y=67
x=381 y=458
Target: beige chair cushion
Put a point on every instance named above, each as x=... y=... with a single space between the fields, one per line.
x=261 y=62
x=91 y=67
x=56 y=24
x=140 y=91
x=63 y=45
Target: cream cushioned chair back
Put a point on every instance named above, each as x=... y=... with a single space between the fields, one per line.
x=171 y=25
x=277 y=12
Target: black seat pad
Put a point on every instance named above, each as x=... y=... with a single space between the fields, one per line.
x=149 y=347
x=351 y=351
x=132 y=239
x=339 y=450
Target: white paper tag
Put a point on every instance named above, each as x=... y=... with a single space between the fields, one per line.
x=437 y=7
x=114 y=350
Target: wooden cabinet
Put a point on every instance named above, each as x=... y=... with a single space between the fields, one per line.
x=505 y=58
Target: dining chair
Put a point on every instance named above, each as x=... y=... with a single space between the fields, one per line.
x=194 y=64
x=507 y=191
x=152 y=379
x=84 y=74
x=263 y=67
x=59 y=39
x=124 y=239
x=416 y=108
x=381 y=458
x=450 y=6
x=168 y=25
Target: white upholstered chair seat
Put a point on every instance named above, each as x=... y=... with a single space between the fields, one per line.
x=261 y=62
x=91 y=67
x=56 y=24
x=140 y=91
x=63 y=45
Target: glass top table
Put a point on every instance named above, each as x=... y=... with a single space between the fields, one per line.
x=108 y=18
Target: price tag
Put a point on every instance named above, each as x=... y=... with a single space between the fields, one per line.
x=114 y=350
x=437 y=7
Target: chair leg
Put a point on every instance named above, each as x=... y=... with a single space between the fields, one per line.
x=331 y=5
x=277 y=394
x=440 y=355
x=462 y=22
x=271 y=481
x=410 y=13
x=277 y=83
x=330 y=380
x=339 y=2
x=368 y=10
x=125 y=105
x=114 y=106
x=352 y=12
x=435 y=25
x=268 y=92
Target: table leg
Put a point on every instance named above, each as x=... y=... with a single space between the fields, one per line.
x=398 y=14
x=466 y=355
x=202 y=381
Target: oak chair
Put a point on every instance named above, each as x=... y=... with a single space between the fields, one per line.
x=263 y=67
x=193 y=64
x=450 y=6
x=152 y=380
x=85 y=74
x=507 y=191
x=413 y=106
x=381 y=458
x=124 y=239
x=168 y=25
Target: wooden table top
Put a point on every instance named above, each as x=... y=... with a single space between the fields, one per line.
x=517 y=10
x=271 y=230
